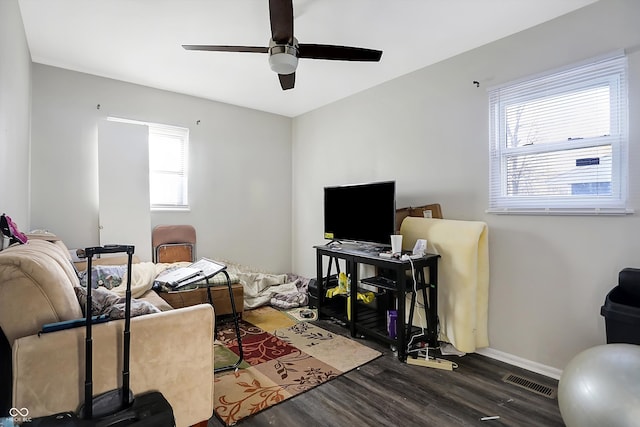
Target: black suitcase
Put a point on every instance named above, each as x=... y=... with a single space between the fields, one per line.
x=115 y=407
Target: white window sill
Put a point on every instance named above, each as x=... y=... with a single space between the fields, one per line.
x=170 y=209
x=562 y=211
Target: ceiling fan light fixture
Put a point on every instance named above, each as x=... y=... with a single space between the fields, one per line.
x=284 y=50
x=283 y=59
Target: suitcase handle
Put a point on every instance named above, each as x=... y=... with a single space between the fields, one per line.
x=109 y=249
x=88 y=384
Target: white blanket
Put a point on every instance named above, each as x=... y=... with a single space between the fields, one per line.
x=463 y=277
x=142 y=276
x=258 y=286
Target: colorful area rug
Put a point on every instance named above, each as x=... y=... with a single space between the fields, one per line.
x=279 y=363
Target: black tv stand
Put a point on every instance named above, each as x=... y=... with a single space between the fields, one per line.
x=394 y=283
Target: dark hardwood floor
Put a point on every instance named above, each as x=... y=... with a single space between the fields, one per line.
x=386 y=392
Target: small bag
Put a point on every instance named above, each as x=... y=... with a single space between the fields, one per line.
x=10 y=230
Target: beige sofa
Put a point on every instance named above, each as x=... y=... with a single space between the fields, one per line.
x=171 y=351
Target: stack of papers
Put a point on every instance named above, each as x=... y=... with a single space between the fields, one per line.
x=202 y=269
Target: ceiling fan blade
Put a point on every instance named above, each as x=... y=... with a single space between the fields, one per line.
x=281 y=16
x=287 y=81
x=215 y=48
x=338 y=53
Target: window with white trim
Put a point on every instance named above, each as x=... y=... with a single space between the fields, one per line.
x=168 y=177
x=559 y=141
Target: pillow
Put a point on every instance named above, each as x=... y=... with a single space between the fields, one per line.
x=103 y=301
x=108 y=276
x=289 y=300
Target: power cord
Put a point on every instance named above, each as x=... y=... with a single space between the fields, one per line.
x=415 y=290
x=424 y=351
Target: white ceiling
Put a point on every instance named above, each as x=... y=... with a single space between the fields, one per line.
x=139 y=41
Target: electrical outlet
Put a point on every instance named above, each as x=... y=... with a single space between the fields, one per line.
x=427 y=213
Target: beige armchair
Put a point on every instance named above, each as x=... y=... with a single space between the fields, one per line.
x=171 y=351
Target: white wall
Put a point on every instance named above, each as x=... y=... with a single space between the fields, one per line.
x=240 y=165
x=429 y=131
x=15 y=97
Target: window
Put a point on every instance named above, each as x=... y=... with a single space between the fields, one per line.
x=558 y=142
x=168 y=149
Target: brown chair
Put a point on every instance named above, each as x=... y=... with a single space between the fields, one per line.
x=173 y=243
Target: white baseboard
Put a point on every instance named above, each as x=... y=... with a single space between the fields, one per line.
x=536 y=367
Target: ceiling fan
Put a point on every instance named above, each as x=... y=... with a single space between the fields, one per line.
x=284 y=49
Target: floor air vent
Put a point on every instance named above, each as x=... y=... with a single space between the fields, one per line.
x=531 y=385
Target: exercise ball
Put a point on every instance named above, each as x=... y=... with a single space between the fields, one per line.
x=601 y=387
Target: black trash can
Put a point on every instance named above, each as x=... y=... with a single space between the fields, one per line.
x=621 y=311
x=629 y=280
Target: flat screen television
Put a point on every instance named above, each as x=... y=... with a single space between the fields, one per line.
x=360 y=212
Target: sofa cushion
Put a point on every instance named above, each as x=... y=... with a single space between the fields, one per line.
x=36 y=287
